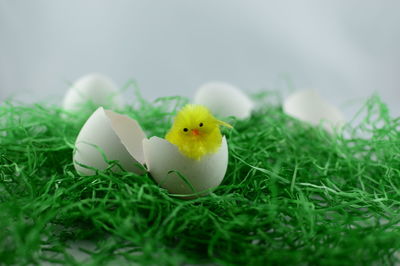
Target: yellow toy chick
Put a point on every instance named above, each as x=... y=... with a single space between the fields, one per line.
x=196 y=131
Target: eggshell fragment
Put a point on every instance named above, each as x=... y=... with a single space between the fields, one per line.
x=164 y=161
x=95 y=89
x=224 y=100
x=115 y=136
x=308 y=106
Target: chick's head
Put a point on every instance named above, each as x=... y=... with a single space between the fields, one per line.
x=196 y=131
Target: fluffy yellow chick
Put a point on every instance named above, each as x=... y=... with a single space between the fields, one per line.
x=196 y=131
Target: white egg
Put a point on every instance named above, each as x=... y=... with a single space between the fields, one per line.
x=224 y=100
x=164 y=161
x=108 y=136
x=308 y=106
x=95 y=89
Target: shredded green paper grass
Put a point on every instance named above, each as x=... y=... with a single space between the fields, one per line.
x=293 y=194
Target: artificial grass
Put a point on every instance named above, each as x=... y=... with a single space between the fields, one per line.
x=293 y=194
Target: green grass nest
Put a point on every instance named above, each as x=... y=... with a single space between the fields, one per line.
x=293 y=194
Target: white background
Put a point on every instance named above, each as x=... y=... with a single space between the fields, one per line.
x=346 y=49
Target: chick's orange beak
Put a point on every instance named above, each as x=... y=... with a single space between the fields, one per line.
x=195 y=132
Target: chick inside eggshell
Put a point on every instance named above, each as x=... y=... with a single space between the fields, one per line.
x=108 y=136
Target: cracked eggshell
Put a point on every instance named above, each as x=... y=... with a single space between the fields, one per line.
x=308 y=106
x=95 y=89
x=115 y=136
x=163 y=159
x=224 y=99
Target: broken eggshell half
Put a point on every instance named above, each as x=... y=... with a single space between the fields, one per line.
x=224 y=99
x=182 y=175
x=309 y=106
x=92 y=90
x=107 y=136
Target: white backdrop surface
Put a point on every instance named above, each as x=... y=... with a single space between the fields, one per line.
x=347 y=50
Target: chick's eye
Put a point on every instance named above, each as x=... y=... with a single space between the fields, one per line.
x=185 y=129
x=201 y=124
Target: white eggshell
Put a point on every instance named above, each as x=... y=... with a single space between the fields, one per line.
x=224 y=100
x=163 y=159
x=308 y=106
x=116 y=136
x=97 y=89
